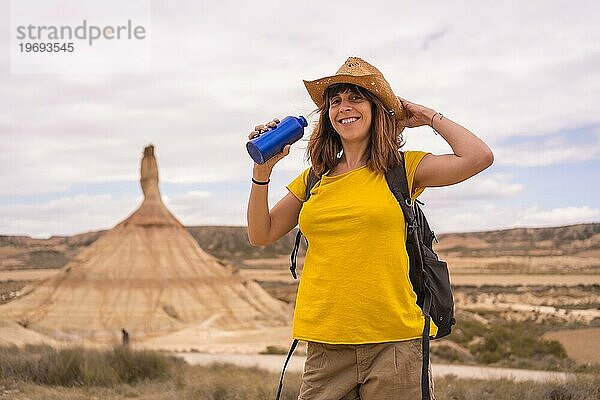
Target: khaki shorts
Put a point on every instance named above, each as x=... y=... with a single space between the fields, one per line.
x=376 y=371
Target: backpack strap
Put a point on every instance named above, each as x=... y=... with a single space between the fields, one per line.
x=310 y=183
x=294 y=254
x=312 y=180
x=398 y=184
x=292 y=348
x=425 y=395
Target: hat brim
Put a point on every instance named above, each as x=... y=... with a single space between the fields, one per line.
x=371 y=82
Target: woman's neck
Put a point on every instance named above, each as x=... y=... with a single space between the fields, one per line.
x=348 y=162
x=353 y=156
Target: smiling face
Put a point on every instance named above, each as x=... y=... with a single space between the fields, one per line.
x=350 y=113
x=353 y=118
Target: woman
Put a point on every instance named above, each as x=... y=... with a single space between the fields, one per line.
x=360 y=320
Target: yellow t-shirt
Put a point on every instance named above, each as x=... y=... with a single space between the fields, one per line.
x=354 y=286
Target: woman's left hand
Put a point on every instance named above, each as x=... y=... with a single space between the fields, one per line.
x=416 y=114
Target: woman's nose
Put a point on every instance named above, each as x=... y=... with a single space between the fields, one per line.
x=345 y=106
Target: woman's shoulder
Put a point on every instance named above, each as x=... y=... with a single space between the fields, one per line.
x=413 y=156
x=412 y=153
x=303 y=177
x=298 y=186
x=305 y=174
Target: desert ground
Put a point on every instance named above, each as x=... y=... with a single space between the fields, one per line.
x=565 y=300
x=580 y=344
x=524 y=287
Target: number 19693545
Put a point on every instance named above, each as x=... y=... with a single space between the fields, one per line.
x=46 y=47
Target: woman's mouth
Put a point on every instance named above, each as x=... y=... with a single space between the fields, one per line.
x=348 y=120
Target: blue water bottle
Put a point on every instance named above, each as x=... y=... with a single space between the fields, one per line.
x=272 y=142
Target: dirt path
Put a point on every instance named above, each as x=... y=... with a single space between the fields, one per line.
x=525 y=279
x=274 y=363
x=27 y=274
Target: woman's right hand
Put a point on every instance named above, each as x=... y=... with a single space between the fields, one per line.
x=262 y=172
x=266 y=225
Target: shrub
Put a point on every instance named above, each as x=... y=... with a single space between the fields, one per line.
x=133 y=366
x=466 y=330
x=84 y=367
x=575 y=388
x=447 y=354
x=517 y=340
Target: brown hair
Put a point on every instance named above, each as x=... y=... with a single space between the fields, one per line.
x=325 y=146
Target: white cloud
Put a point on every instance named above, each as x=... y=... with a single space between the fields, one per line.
x=201 y=207
x=82 y=213
x=473 y=217
x=188 y=201
x=550 y=150
x=487 y=187
x=559 y=216
x=520 y=69
x=66 y=215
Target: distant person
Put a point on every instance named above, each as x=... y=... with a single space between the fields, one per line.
x=355 y=304
x=124 y=337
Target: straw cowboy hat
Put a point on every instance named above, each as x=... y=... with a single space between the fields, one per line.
x=360 y=73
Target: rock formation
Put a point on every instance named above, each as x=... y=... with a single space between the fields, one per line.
x=149 y=276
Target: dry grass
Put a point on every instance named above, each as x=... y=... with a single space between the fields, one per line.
x=77 y=366
x=21 y=379
x=578 y=388
x=40 y=372
x=491 y=340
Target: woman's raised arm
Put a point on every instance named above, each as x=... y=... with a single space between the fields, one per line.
x=471 y=154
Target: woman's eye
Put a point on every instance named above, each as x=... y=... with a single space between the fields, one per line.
x=334 y=101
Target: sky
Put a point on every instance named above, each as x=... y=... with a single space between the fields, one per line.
x=523 y=76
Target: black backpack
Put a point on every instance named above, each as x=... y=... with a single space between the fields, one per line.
x=428 y=274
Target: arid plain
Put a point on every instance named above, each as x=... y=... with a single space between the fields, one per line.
x=543 y=281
